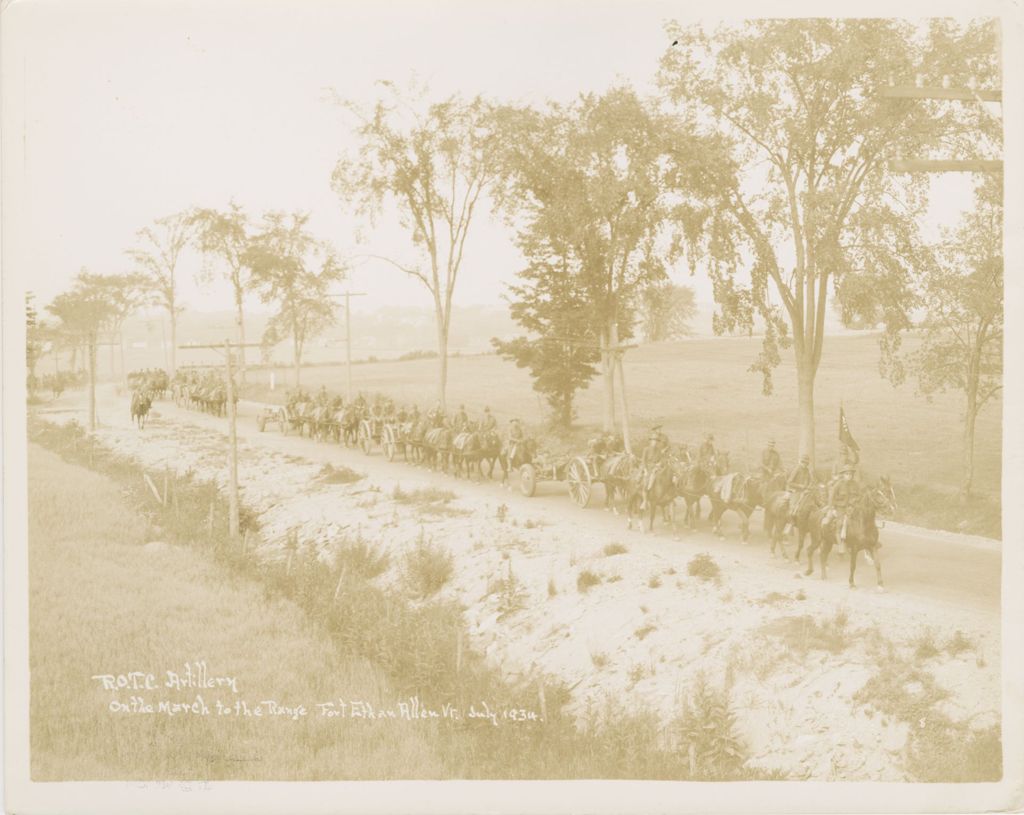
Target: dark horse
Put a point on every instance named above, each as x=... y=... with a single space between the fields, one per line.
x=618 y=472
x=784 y=509
x=861 y=531
x=141 y=403
x=465 y=451
x=436 y=447
x=692 y=482
x=660 y=494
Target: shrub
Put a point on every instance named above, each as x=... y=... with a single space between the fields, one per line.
x=363 y=559
x=703 y=566
x=587 y=579
x=427 y=567
x=614 y=549
x=707 y=731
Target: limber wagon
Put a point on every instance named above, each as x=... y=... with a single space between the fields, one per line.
x=580 y=473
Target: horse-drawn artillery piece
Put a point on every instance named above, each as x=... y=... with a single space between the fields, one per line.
x=272 y=414
x=580 y=473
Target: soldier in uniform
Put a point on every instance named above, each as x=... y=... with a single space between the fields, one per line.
x=436 y=415
x=799 y=483
x=322 y=398
x=515 y=437
x=706 y=454
x=650 y=460
x=771 y=461
x=685 y=456
x=460 y=424
x=844 y=494
x=488 y=424
x=848 y=457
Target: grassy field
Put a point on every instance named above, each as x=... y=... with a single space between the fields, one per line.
x=703 y=384
x=102 y=603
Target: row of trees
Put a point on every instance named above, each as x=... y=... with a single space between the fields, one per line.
x=278 y=258
x=764 y=162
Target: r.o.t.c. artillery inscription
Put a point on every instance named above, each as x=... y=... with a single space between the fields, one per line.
x=153 y=693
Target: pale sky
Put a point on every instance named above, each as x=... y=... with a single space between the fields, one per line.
x=136 y=110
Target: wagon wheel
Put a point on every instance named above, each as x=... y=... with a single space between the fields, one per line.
x=578 y=475
x=364 y=436
x=390 y=446
x=261 y=422
x=528 y=480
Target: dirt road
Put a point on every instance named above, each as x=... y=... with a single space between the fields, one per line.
x=961 y=570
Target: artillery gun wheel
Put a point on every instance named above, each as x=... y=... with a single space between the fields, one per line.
x=577 y=474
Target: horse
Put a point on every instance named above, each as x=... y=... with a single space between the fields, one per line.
x=734 y=492
x=465 y=448
x=801 y=515
x=861 y=531
x=513 y=455
x=436 y=447
x=661 y=494
x=141 y=403
x=692 y=483
x=617 y=472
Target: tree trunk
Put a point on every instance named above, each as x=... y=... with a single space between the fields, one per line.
x=969 y=423
x=297 y=355
x=240 y=320
x=174 y=342
x=442 y=354
x=805 y=395
x=622 y=402
x=609 y=383
x=113 y=361
x=92 y=382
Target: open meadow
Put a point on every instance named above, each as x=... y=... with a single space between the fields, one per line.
x=704 y=384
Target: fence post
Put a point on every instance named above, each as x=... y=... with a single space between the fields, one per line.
x=341 y=579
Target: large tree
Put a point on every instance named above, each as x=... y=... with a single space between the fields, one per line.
x=294 y=271
x=224 y=234
x=561 y=347
x=586 y=185
x=85 y=312
x=962 y=329
x=434 y=163
x=156 y=254
x=808 y=209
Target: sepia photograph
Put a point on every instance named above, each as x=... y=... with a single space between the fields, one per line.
x=606 y=393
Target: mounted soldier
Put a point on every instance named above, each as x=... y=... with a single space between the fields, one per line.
x=489 y=424
x=435 y=416
x=322 y=398
x=771 y=461
x=685 y=456
x=848 y=458
x=460 y=424
x=706 y=454
x=844 y=494
x=799 y=483
x=516 y=437
x=651 y=459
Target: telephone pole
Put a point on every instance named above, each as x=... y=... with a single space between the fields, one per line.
x=348 y=333
x=229 y=391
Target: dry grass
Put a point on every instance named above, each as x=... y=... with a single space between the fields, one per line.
x=703 y=567
x=587 y=580
x=102 y=603
x=427 y=567
x=804 y=633
x=614 y=549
